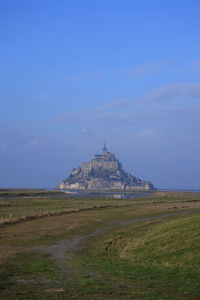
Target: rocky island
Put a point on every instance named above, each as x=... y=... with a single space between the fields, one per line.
x=103 y=172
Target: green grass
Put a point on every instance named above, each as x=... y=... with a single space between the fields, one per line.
x=29 y=275
x=33 y=276
x=160 y=259
x=19 y=203
x=22 y=203
x=157 y=259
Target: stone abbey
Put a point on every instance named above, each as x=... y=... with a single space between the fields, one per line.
x=103 y=172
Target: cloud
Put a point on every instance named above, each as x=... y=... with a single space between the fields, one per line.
x=162 y=126
x=140 y=71
x=148 y=133
x=33 y=143
x=162 y=67
x=173 y=92
x=170 y=103
x=144 y=70
x=18 y=142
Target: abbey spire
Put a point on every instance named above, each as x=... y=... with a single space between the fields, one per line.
x=104 y=147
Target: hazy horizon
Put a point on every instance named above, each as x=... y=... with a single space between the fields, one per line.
x=76 y=72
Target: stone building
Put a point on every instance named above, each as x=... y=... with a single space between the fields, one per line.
x=103 y=172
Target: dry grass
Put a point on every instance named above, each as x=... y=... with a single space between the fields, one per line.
x=49 y=228
x=111 y=255
x=27 y=216
x=4 y=204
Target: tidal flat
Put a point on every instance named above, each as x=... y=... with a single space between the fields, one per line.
x=54 y=247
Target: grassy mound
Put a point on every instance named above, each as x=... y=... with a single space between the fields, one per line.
x=160 y=259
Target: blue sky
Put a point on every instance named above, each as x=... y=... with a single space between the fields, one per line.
x=76 y=72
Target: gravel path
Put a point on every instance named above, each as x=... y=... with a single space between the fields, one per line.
x=62 y=249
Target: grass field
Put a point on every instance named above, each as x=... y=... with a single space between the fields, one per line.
x=96 y=248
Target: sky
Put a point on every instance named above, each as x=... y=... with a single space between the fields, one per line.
x=75 y=72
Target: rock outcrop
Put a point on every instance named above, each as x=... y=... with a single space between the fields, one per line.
x=103 y=172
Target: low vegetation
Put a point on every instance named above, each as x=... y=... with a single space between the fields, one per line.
x=157 y=257
x=23 y=205
x=157 y=260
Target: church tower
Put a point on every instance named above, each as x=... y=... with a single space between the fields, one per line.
x=104 y=150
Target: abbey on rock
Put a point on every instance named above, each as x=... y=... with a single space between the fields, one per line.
x=103 y=172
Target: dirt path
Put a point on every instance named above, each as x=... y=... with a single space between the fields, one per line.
x=62 y=249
